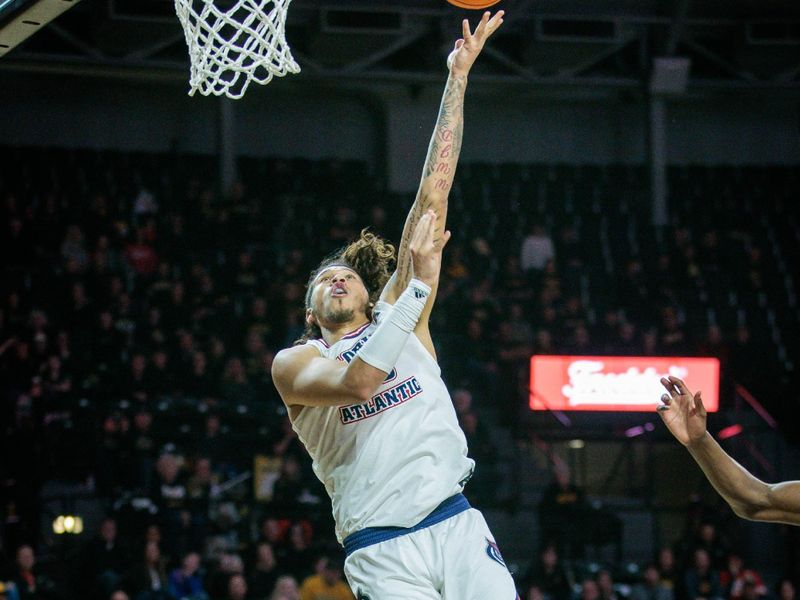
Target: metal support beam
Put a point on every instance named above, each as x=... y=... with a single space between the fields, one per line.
x=152 y=49
x=226 y=140
x=65 y=35
x=789 y=74
x=715 y=58
x=376 y=57
x=676 y=31
x=658 y=162
x=511 y=64
x=597 y=58
x=30 y=21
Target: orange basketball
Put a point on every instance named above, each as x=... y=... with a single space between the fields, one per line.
x=473 y=4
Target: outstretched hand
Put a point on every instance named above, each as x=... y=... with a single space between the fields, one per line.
x=426 y=249
x=470 y=45
x=682 y=412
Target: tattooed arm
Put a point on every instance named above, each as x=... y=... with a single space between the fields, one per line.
x=440 y=164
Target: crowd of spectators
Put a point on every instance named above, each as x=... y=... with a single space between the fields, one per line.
x=702 y=566
x=141 y=311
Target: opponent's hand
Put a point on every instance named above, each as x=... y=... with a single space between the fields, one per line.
x=469 y=47
x=426 y=249
x=682 y=412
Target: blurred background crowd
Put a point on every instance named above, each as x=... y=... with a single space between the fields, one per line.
x=140 y=312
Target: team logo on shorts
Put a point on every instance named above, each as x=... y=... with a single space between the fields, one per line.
x=362 y=595
x=494 y=552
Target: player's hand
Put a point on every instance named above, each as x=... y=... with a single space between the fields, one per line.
x=469 y=47
x=682 y=412
x=426 y=249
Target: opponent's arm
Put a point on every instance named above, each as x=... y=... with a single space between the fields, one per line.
x=304 y=378
x=685 y=416
x=443 y=152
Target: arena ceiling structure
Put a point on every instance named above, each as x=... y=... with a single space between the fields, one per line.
x=670 y=46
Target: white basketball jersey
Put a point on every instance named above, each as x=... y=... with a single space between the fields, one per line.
x=390 y=461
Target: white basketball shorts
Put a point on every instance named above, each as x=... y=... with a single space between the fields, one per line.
x=455 y=559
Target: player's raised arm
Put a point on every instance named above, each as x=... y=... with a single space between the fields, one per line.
x=685 y=416
x=443 y=152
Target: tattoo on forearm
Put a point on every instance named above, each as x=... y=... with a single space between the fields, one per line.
x=446 y=140
x=440 y=167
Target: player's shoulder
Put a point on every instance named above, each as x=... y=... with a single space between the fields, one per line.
x=292 y=357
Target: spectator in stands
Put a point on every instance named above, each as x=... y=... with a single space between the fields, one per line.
x=276 y=533
x=216 y=357
x=327 y=585
x=484 y=482
x=237 y=588
x=673 y=339
x=185 y=582
x=589 y=590
x=137 y=380
x=299 y=558
x=286 y=588
x=56 y=383
x=259 y=322
x=650 y=342
x=561 y=511
x=735 y=578
x=701 y=581
x=549 y=575
x=544 y=342
x=144 y=451
x=605 y=583
x=537 y=249
x=107 y=345
x=172 y=500
x=668 y=571
x=786 y=589
x=200 y=488
x=199 y=383
x=141 y=256
x=286 y=441
x=235 y=386
x=160 y=379
x=534 y=593
x=148 y=579
x=213 y=442
x=30 y=584
x=111 y=454
x=627 y=342
x=707 y=538
x=119 y=595
x=290 y=489
x=651 y=587
x=73 y=249
x=227 y=566
x=104 y=560
x=264 y=572
x=513 y=284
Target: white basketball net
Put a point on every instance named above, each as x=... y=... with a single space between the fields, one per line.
x=229 y=48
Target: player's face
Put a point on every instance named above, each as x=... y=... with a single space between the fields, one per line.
x=339 y=296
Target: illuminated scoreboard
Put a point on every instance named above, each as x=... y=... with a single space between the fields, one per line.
x=616 y=383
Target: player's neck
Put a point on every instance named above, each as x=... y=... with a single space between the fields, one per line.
x=335 y=332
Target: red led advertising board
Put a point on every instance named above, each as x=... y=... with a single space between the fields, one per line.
x=616 y=383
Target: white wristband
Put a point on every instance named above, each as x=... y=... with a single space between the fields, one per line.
x=385 y=345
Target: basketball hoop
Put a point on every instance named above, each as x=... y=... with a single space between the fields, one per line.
x=230 y=47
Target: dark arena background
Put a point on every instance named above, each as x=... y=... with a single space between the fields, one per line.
x=629 y=185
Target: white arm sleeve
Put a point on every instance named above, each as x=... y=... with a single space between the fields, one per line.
x=385 y=345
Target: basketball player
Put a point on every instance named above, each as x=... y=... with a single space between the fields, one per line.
x=365 y=395
x=684 y=415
